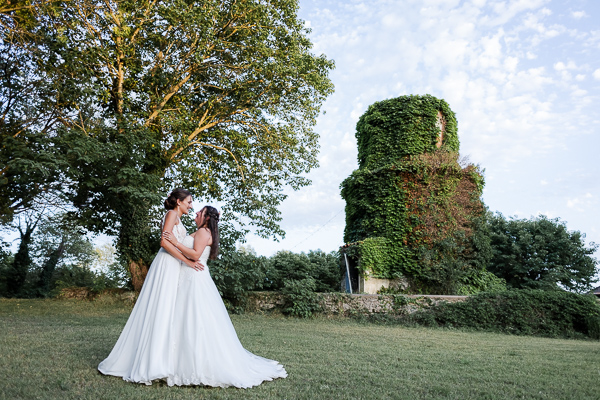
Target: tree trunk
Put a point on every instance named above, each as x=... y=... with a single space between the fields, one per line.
x=17 y=272
x=49 y=267
x=138 y=270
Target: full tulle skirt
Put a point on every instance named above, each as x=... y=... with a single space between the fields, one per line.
x=145 y=348
x=208 y=351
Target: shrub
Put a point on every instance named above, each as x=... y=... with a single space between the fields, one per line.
x=323 y=268
x=523 y=312
x=235 y=273
x=300 y=297
x=74 y=275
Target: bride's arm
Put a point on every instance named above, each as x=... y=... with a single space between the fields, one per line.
x=170 y=221
x=201 y=240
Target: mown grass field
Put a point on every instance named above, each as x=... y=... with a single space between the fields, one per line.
x=49 y=349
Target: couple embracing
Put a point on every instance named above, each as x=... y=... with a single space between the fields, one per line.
x=179 y=329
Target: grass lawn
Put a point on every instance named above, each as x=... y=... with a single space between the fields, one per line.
x=49 y=349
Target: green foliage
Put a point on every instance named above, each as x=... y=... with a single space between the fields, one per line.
x=457 y=264
x=412 y=210
x=381 y=257
x=15 y=274
x=300 y=297
x=419 y=218
x=6 y=260
x=219 y=97
x=327 y=271
x=57 y=241
x=540 y=253
x=235 y=274
x=28 y=167
x=114 y=186
x=476 y=281
x=59 y=255
x=522 y=312
x=323 y=268
x=406 y=125
x=74 y=275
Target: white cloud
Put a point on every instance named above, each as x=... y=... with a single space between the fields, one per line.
x=513 y=71
x=581 y=203
x=578 y=14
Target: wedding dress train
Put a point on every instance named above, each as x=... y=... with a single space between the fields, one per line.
x=207 y=350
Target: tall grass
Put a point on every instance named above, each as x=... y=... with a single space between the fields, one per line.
x=49 y=349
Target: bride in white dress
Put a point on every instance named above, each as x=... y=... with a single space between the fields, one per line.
x=207 y=350
x=144 y=350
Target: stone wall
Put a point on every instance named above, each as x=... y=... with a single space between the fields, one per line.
x=85 y=293
x=347 y=304
x=332 y=303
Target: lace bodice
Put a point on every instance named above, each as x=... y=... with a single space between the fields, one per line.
x=179 y=232
x=178 y=229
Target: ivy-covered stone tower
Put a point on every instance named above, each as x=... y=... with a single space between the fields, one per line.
x=410 y=204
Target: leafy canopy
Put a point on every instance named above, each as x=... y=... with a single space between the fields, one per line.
x=216 y=96
x=540 y=253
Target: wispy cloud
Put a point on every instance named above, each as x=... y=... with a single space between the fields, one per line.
x=517 y=73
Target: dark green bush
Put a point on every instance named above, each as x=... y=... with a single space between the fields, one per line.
x=6 y=260
x=522 y=312
x=235 y=274
x=300 y=297
x=323 y=267
x=238 y=272
x=76 y=276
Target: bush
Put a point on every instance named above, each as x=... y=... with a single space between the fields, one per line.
x=300 y=297
x=323 y=268
x=80 y=276
x=522 y=312
x=236 y=273
x=6 y=260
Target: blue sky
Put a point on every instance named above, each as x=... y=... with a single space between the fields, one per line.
x=522 y=76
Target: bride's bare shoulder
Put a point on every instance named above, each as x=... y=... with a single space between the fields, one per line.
x=170 y=219
x=202 y=234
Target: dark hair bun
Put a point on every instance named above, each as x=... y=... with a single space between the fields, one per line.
x=177 y=194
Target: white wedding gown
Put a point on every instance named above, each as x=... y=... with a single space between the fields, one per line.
x=208 y=351
x=179 y=330
x=145 y=348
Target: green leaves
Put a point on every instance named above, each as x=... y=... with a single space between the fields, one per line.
x=411 y=208
x=540 y=253
x=217 y=96
x=521 y=312
x=406 y=125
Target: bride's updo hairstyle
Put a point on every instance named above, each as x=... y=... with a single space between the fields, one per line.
x=177 y=194
x=211 y=221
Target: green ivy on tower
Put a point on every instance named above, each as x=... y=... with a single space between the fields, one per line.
x=412 y=210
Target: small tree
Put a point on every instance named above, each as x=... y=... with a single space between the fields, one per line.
x=540 y=253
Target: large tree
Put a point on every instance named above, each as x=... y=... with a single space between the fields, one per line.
x=540 y=253
x=217 y=96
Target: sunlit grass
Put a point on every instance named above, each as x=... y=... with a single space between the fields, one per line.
x=49 y=349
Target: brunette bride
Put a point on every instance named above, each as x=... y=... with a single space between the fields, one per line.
x=144 y=351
